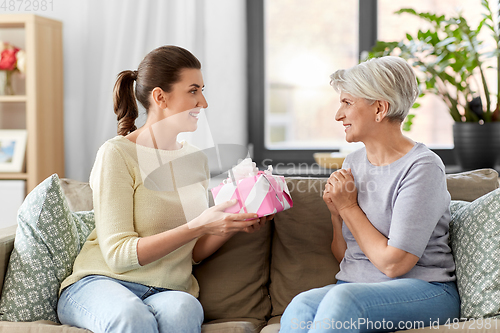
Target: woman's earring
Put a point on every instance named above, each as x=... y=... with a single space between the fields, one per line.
x=377 y=119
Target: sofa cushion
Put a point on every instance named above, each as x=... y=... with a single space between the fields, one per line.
x=230 y=327
x=48 y=238
x=301 y=251
x=42 y=326
x=233 y=281
x=475 y=242
x=7 y=236
x=470 y=185
x=78 y=194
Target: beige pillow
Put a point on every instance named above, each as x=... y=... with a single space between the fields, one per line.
x=78 y=194
x=301 y=251
x=470 y=185
x=233 y=281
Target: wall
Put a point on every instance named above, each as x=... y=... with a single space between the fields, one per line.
x=101 y=38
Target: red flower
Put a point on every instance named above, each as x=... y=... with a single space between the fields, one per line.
x=8 y=59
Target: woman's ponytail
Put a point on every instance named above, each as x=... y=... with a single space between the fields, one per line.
x=124 y=102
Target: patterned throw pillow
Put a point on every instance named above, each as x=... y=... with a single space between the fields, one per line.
x=48 y=239
x=475 y=242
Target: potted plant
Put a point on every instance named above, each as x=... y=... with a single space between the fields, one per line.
x=449 y=59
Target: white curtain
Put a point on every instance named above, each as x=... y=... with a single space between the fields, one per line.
x=102 y=38
x=114 y=36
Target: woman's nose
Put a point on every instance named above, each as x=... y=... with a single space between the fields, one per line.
x=203 y=102
x=339 y=115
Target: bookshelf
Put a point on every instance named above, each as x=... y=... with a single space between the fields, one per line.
x=37 y=106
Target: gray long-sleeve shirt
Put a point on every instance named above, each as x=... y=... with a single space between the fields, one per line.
x=408 y=202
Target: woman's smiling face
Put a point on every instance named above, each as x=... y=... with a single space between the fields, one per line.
x=186 y=99
x=357 y=115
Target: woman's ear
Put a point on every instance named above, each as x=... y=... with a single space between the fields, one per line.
x=159 y=97
x=382 y=107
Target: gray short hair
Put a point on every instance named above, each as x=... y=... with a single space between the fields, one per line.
x=387 y=78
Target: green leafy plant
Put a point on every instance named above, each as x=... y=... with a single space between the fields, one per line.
x=449 y=60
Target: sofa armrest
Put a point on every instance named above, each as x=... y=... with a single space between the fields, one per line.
x=7 y=236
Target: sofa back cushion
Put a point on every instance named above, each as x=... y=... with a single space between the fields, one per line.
x=233 y=281
x=470 y=185
x=78 y=194
x=301 y=256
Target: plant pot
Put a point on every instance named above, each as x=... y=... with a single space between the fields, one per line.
x=476 y=146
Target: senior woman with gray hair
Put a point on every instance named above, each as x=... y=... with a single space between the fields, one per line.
x=390 y=212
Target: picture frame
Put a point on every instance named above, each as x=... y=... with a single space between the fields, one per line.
x=12 y=150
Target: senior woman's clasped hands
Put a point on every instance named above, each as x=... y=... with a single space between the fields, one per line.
x=340 y=191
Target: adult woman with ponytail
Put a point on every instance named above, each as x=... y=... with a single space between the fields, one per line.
x=151 y=209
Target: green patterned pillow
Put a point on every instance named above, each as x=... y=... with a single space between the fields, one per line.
x=475 y=242
x=48 y=238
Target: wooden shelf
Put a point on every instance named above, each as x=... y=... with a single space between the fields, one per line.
x=13 y=98
x=14 y=175
x=42 y=102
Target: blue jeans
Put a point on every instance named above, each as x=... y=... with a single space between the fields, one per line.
x=103 y=304
x=372 y=307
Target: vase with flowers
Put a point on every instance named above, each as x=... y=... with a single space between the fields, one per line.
x=12 y=60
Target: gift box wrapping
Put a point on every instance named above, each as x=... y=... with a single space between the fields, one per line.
x=261 y=194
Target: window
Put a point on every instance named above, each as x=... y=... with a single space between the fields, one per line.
x=294 y=45
x=292 y=106
x=303 y=45
x=433 y=123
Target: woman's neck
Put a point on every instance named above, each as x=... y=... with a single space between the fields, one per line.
x=154 y=136
x=388 y=146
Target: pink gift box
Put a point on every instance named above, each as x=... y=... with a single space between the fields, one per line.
x=262 y=194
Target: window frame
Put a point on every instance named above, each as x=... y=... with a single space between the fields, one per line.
x=256 y=86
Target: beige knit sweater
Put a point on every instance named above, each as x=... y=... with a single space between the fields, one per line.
x=138 y=192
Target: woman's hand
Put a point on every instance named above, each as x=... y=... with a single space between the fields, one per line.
x=260 y=224
x=340 y=191
x=214 y=221
x=218 y=232
x=327 y=198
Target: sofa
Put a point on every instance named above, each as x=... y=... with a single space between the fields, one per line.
x=246 y=285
